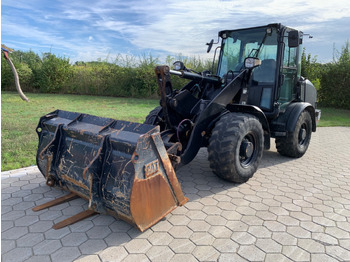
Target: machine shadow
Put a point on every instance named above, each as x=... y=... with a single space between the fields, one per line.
x=199 y=181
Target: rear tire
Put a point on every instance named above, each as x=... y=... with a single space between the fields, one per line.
x=236 y=147
x=297 y=142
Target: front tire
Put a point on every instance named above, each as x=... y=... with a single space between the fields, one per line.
x=236 y=147
x=153 y=116
x=297 y=142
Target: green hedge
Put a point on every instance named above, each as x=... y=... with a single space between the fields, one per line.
x=125 y=77
x=130 y=76
x=335 y=82
x=332 y=80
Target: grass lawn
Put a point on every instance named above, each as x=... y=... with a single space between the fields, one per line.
x=334 y=117
x=19 y=119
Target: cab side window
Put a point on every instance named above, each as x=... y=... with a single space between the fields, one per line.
x=290 y=71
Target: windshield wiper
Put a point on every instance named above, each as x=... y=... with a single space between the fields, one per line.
x=258 y=50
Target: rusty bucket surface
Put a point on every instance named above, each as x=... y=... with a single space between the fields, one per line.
x=121 y=168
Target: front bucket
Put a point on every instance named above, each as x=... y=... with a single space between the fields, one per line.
x=121 y=168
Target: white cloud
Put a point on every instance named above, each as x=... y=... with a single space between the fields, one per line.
x=171 y=27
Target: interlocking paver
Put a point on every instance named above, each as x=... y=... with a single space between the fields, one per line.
x=275 y=226
x=137 y=246
x=7 y=245
x=92 y=246
x=199 y=225
x=160 y=253
x=179 y=220
x=46 y=247
x=65 y=254
x=311 y=246
x=231 y=257
x=225 y=245
x=56 y=234
x=98 y=232
x=251 y=253
x=269 y=246
x=160 y=239
x=215 y=220
x=41 y=226
x=182 y=246
x=220 y=231
x=183 y=257
x=113 y=254
x=206 y=253
x=337 y=232
x=117 y=239
x=291 y=210
x=17 y=254
x=103 y=220
x=243 y=238
x=324 y=238
x=338 y=252
x=14 y=233
x=284 y=238
x=259 y=231
x=74 y=239
x=237 y=226
x=295 y=253
x=136 y=257
x=278 y=257
x=88 y=258
x=46 y=258
x=30 y=239
x=202 y=238
x=26 y=221
x=323 y=258
x=345 y=243
x=298 y=232
x=13 y=215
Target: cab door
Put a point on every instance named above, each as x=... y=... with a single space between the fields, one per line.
x=290 y=68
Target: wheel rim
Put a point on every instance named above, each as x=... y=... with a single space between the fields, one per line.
x=247 y=151
x=303 y=135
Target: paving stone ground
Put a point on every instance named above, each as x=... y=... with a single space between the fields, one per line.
x=291 y=210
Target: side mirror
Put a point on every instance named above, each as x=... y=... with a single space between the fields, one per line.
x=210 y=45
x=251 y=62
x=293 y=38
x=178 y=65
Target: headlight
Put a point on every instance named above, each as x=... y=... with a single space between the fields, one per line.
x=178 y=65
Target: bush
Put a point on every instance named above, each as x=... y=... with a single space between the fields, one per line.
x=7 y=79
x=54 y=73
x=25 y=75
x=335 y=82
x=127 y=76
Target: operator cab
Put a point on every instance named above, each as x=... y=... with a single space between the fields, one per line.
x=274 y=83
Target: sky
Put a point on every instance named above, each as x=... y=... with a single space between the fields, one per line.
x=85 y=30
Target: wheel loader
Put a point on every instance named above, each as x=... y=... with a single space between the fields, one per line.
x=253 y=93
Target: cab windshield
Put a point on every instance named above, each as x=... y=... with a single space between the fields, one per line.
x=237 y=45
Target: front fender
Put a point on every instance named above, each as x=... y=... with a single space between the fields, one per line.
x=214 y=109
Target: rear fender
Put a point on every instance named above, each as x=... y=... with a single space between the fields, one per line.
x=294 y=110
